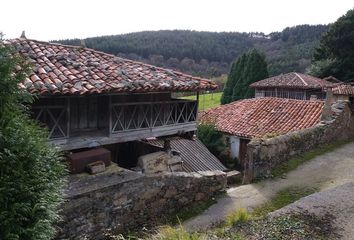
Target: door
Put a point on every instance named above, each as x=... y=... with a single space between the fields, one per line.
x=243 y=152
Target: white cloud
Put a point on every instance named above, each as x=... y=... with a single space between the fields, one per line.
x=59 y=19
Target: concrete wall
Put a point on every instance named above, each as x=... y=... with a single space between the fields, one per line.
x=234 y=142
x=265 y=154
x=340 y=98
x=117 y=201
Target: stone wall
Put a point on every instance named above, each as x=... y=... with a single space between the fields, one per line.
x=120 y=200
x=265 y=154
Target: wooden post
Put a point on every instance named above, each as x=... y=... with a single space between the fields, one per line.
x=68 y=117
x=197 y=101
x=110 y=116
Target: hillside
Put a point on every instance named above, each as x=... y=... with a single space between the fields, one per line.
x=210 y=53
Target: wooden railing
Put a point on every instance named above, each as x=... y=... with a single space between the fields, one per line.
x=301 y=95
x=148 y=115
x=123 y=118
x=55 y=118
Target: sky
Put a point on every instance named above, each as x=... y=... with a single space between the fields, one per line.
x=61 y=19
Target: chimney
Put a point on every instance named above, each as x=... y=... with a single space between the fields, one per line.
x=327 y=108
x=23 y=34
x=313 y=97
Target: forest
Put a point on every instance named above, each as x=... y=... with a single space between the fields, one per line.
x=210 y=54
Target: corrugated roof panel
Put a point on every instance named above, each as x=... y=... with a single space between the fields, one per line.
x=195 y=156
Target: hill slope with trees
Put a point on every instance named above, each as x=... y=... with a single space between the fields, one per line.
x=210 y=53
x=335 y=53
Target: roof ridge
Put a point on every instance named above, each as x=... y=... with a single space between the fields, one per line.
x=306 y=84
x=111 y=55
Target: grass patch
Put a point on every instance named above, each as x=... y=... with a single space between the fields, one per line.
x=194 y=210
x=241 y=215
x=281 y=199
x=206 y=101
x=296 y=161
x=170 y=233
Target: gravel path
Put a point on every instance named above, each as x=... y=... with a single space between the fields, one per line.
x=323 y=172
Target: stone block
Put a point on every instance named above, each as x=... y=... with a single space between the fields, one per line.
x=156 y=162
x=96 y=167
x=171 y=192
x=199 y=196
x=234 y=177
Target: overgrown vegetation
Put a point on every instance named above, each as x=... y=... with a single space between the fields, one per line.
x=31 y=174
x=296 y=161
x=211 y=138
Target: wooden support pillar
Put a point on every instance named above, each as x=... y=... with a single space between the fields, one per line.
x=68 y=117
x=197 y=101
x=110 y=116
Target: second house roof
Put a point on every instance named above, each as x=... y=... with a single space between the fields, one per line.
x=257 y=117
x=293 y=80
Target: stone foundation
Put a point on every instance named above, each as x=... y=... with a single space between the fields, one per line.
x=120 y=199
x=263 y=155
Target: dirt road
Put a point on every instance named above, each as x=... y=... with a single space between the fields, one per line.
x=323 y=172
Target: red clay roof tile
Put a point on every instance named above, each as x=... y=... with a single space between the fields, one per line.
x=77 y=70
x=257 y=117
x=343 y=89
x=293 y=80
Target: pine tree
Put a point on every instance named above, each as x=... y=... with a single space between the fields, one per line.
x=255 y=69
x=236 y=93
x=226 y=96
x=248 y=68
x=335 y=54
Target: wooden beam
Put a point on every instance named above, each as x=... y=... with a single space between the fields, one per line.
x=126 y=136
x=68 y=117
x=197 y=101
x=110 y=116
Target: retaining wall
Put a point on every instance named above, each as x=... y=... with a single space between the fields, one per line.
x=116 y=202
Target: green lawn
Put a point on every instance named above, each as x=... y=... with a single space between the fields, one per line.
x=207 y=101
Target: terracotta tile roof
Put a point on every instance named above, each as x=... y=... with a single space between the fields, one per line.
x=343 y=89
x=259 y=116
x=60 y=69
x=293 y=80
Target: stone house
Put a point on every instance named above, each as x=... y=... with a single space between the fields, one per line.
x=99 y=106
x=294 y=86
x=244 y=120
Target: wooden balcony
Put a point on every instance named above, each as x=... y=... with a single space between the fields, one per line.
x=121 y=122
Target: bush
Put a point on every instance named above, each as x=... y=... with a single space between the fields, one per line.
x=211 y=138
x=31 y=173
